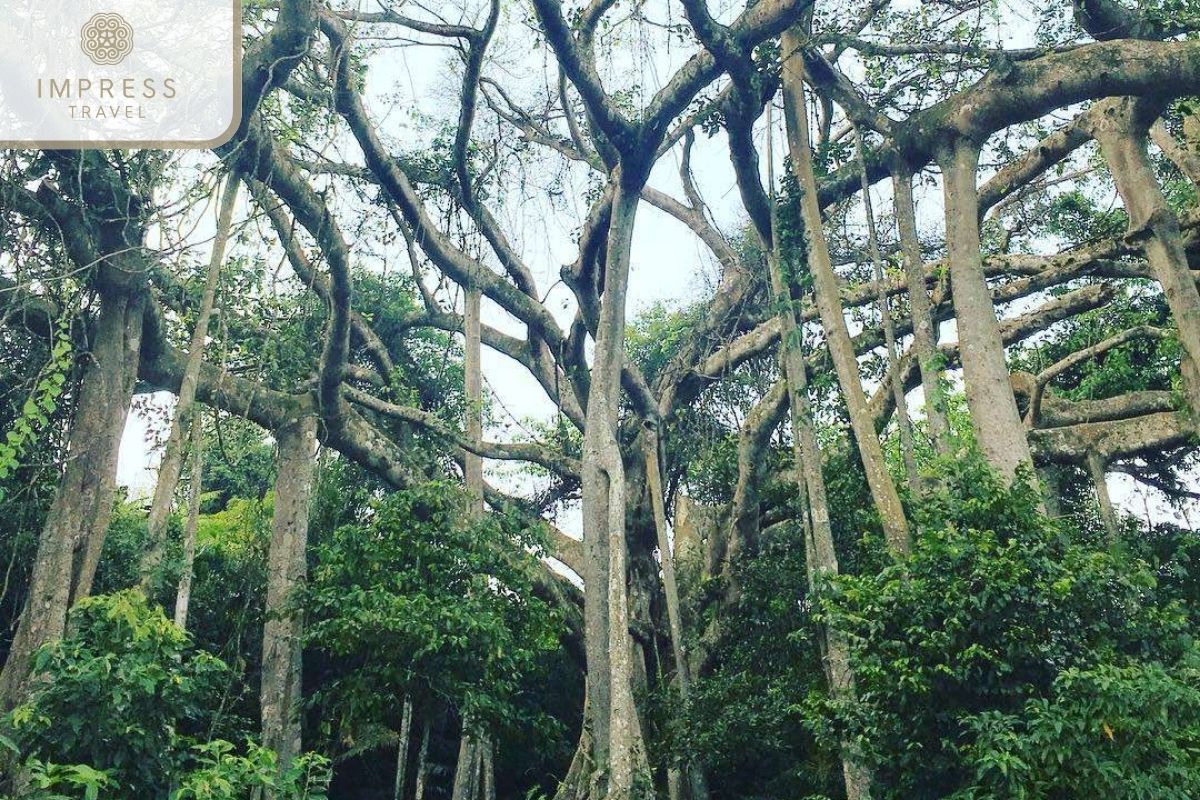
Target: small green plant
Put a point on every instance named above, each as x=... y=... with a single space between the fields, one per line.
x=41 y=403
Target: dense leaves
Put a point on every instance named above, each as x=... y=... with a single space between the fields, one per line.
x=423 y=600
x=126 y=707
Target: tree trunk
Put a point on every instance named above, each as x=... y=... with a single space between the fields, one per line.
x=903 y=421
x=994 y=416
x=402 y=749
x=1121 y=131
x=473 y=386
x=422 y=763
x=488 y=768
x=828 y=298
x=925 y=347
x=1108 y=514
x=183 y=595
x=286 y=570
x=619 y=758
x=820 y=555
x=465 y=773
x=172 y=460
x=466 y=770
x=650 y=446
x=72 y=537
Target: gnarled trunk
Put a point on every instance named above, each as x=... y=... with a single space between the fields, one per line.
x=72 y=537
x=618 y=754
x=1121 y=131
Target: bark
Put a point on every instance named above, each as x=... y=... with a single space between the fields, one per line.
x=670 y=586
x=618 y=755
x=650 y=447
x=488 y=768
x=73 y=534
x=466 y=775
x=1108 y=514
x=422 y=763
x=924 y=328
x=286 y=571
x=903 y=422
x=821 y=557
x=473 y=385
x=172 y=461
x=466 y=772
x=402 y=749
x=1121 y=132
x=828 y=298
x=994 y=416
x=183 y=594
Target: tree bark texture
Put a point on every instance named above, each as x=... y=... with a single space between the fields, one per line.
x=72 y=537
x=286 y=570
x=828 y=299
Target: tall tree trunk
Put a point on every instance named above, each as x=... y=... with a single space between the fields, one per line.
x=994 y=416
x=172 y=461
x=183 y=594
x=473 y=386
x=73 y=534
x=619 y=758
x=466 y=784
x=402 y=749
x=820 y=555
x=650 y=448
x=488 y=768
x=925 y=348
x=286 y=570
x=422 y=763
x=1121 y=132
x=828 y=298
x=903 y=422
x=466 y=771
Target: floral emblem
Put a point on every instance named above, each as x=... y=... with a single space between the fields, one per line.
x=107 y=39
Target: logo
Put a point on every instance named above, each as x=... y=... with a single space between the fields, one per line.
x=140 y=73
x=107 y=39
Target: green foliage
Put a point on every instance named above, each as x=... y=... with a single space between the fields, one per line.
x=658 y=334
x=41 y=404
x=123 y=693
x=238 y=463
x=1120 y=732
x=1076 y=218
x=125 y=707
x=994 y=605
x=421 y=599
x=65 y=782
x=222 y=774
x=744 y=721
